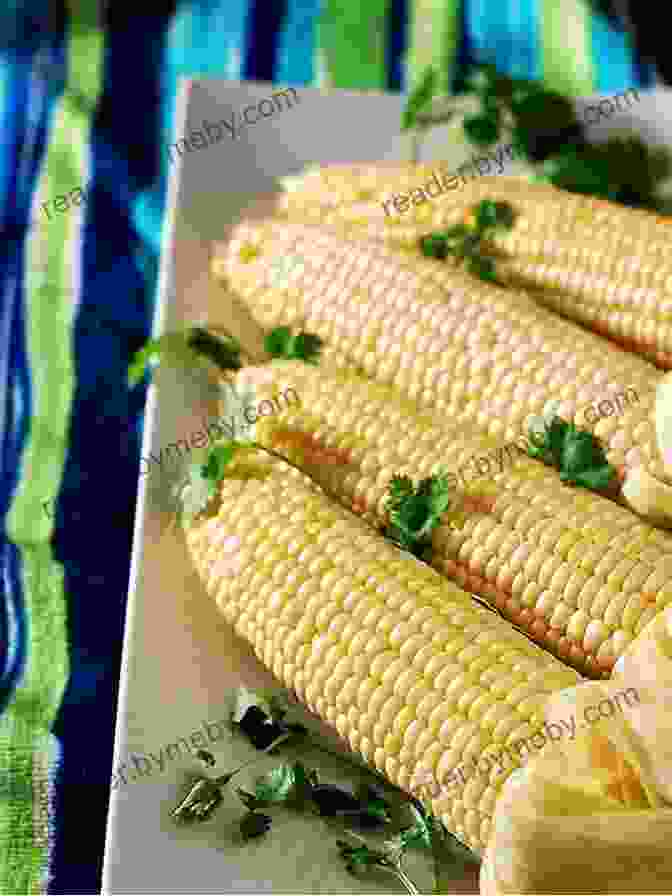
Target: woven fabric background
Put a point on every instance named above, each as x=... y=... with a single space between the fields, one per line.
x=86 y=105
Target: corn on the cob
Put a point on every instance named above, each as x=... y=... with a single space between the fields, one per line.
x=474 y=352
x=406 y=666
x=329 y=185
x=580 y=575
x=594 y=261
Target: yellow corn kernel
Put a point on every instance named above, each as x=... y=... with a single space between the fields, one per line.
x=395 y=735
x=511 y=552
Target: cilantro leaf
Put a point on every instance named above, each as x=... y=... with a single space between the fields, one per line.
x=206 y=757
x=547 y=134
x=596 y=479
x=576 y=453
x=415 y=511
x=185 y=348
x=248 y=799
x=305 y=347
x=200 y=486
x=482 y=130
x=272 y=703
x=171 y=348
x=483 y=268
x=358 y=858
x=580 y=451
x=549 y=445
x=467 y=243
x=332 y=800
x=219 y=456
x=400 y=487
x=277 y=342
x=222 y=351
x=421 y=832
x=413 y=514
x=419 y=98
x=280 y=343
x=491 y=214
x=259 y=728
x=254 y=824
x=286 y=783
x=376 y=808
x=434 y=245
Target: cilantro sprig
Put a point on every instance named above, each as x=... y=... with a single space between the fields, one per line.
x=466 y=242
x=426 y=833
x=196 y=346
x=200 y=486
x=293 y=786
x=201 y=483
x=576 y=453
x=415 y=511
x=185 y=348
x=282 y=343
x=545 y=132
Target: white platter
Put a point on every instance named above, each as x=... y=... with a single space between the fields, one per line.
x=180 y=656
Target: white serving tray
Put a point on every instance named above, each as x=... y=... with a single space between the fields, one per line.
x=180 y=656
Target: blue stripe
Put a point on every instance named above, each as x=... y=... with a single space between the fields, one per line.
x=264 y=24
x=14 y=622
x=296 y=43
x=396 y=44
x=614 y=59
x=504 y=34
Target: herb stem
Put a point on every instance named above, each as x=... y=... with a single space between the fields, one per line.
x=406 y=881
x=352 y=762
x=223 y=780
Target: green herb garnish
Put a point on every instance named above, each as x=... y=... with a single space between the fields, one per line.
x=415 y=511
x=483 y=129
x=292 y=786
x=467 y=242
x=287 y=783
x=200 y=485
x=546 y=133
x=360 y=858
x=576 y=453
x=254 y=824
x=185 y=348
x=426 y=833
x=281 y=343
x=205 y=794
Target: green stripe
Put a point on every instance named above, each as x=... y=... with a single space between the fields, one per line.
x=25 y=725
x=566 y=47
x=351 y=38
x=24 y=732
x=433 y=40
